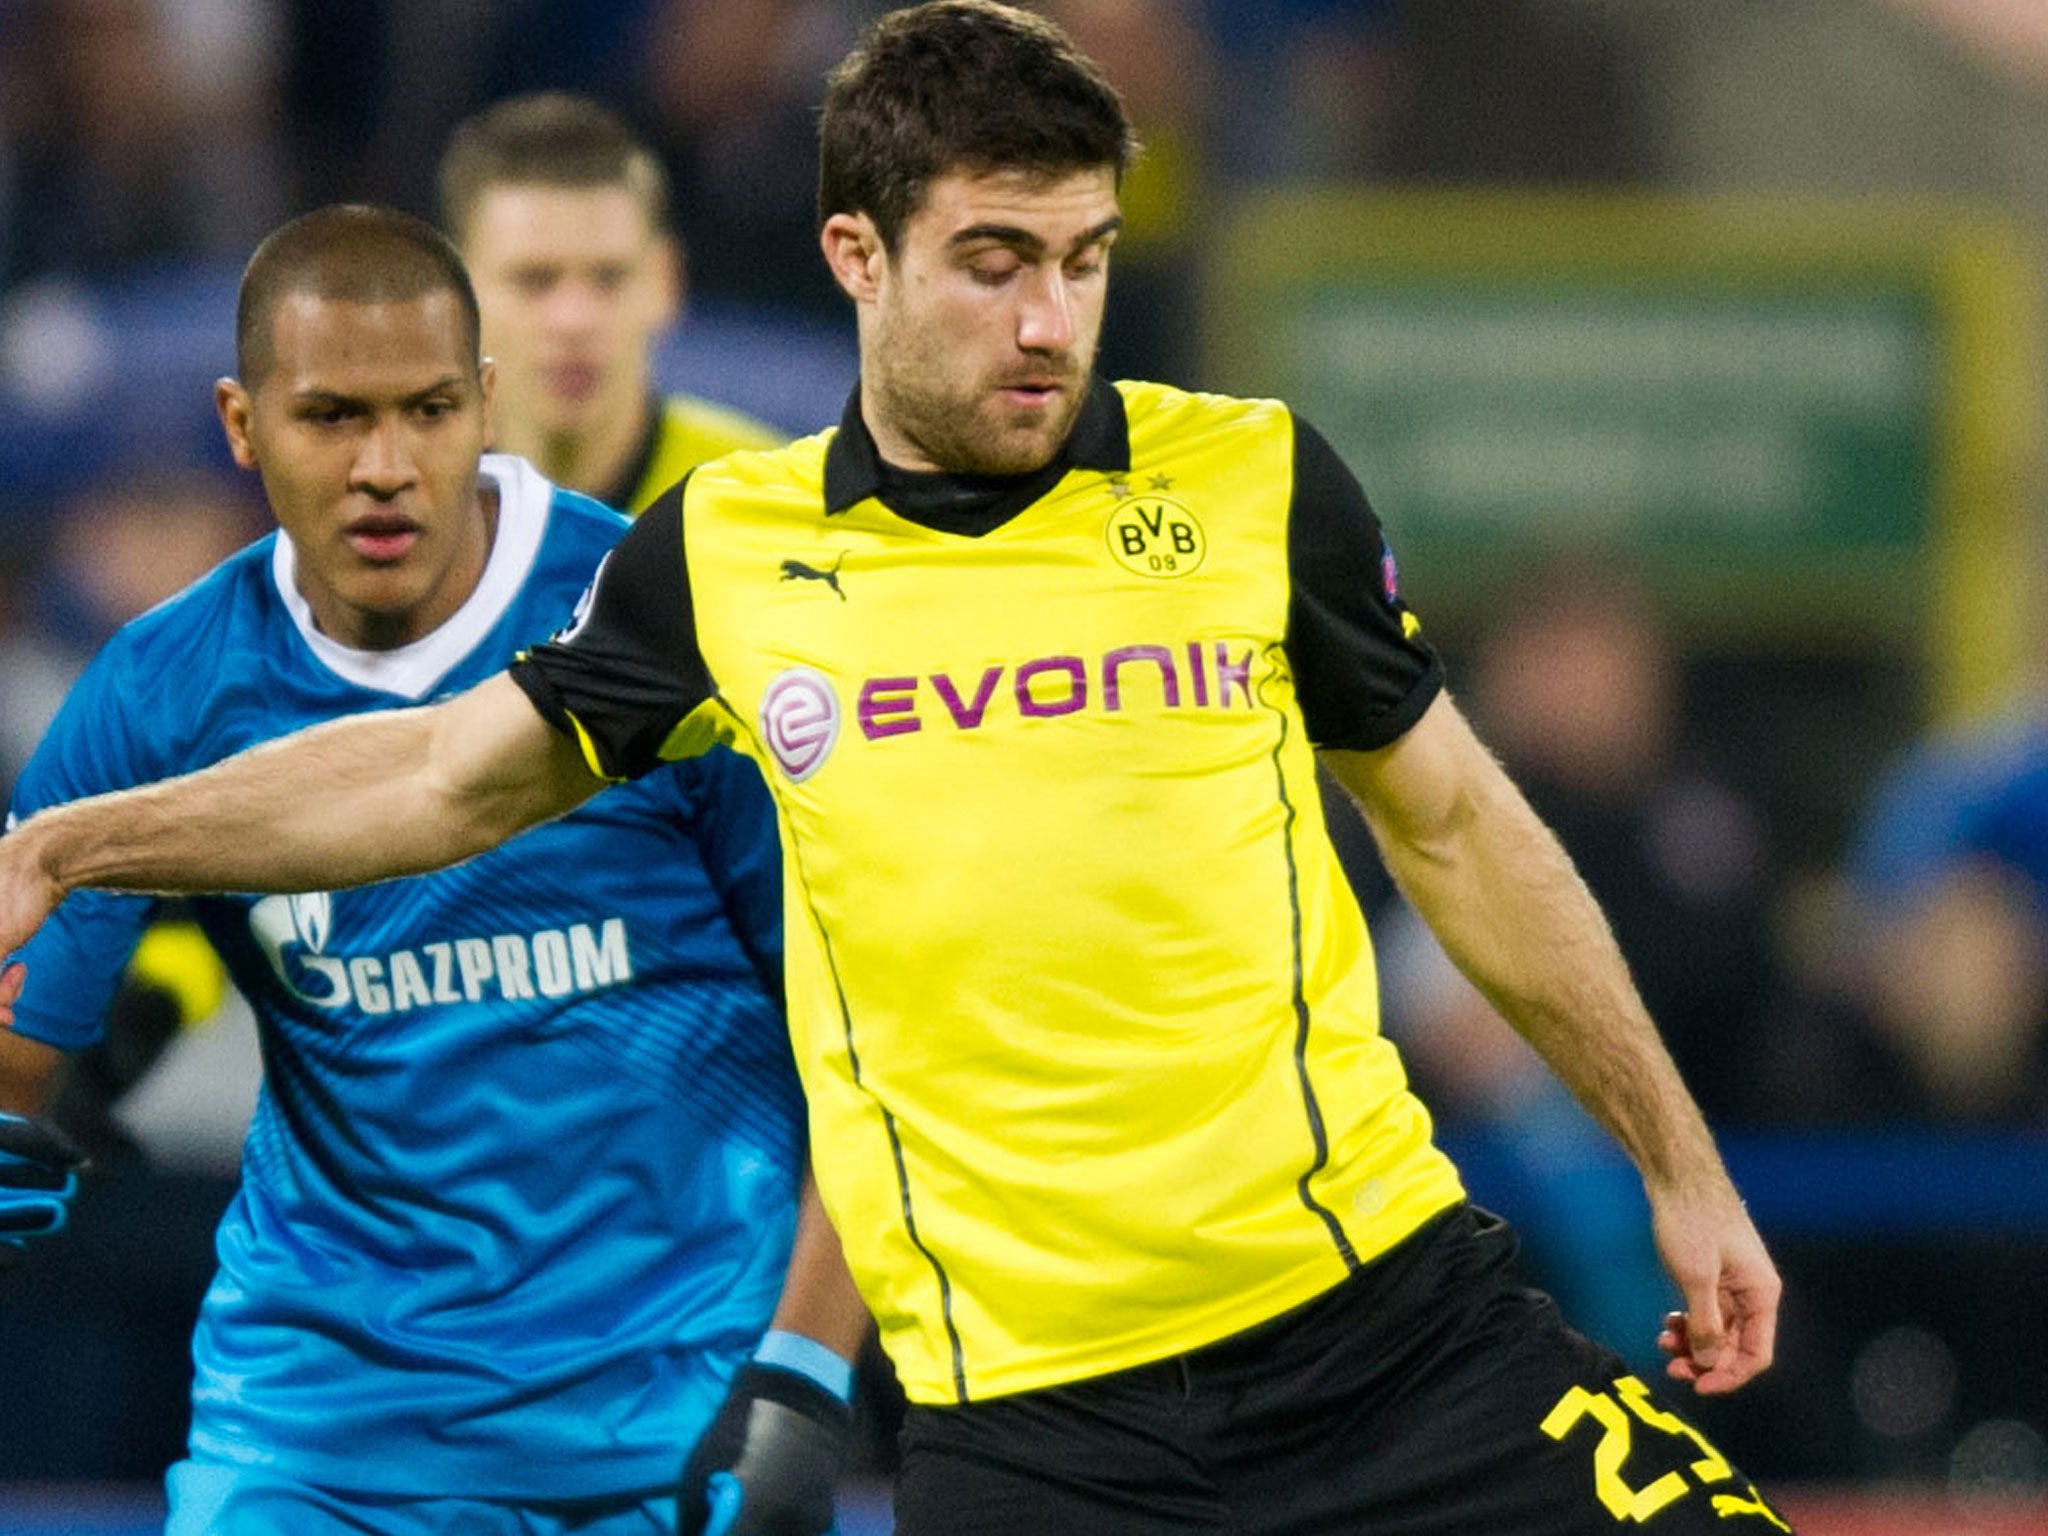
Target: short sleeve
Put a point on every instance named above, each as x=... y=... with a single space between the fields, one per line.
x=627 y=671
x=76 y=959
x=1362 y=671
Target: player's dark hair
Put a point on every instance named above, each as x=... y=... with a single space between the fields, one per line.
x=547 y=139
x=353 y=252
x=960 y=85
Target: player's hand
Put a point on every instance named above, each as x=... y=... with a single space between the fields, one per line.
x=1728 y=1331
x=38 y=1177
x=770 y=1462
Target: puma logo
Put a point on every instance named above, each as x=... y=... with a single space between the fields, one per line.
x=796 y=570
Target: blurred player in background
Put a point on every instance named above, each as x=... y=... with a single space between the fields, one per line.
x=1038 y=667
x=562 y=216
x=523 y=1180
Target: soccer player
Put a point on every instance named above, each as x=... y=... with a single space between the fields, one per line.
x=562 y=217
x=1037 y=667
x=523 y=1180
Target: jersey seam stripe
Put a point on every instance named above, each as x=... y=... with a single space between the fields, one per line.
x=896 y=1153
x=960 y=1393
x=895 y=1146
x=1311 y=1106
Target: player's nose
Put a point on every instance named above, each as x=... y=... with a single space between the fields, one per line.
x=1045 y=323
x=572 y=307
x=383 y=463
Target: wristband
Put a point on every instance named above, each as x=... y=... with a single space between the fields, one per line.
x=807 y=1358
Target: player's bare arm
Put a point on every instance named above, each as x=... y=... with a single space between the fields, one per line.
x=774 y=1454
x=30 y=1071
x=345 y=803
x=818 y=1297
x=1503 y=898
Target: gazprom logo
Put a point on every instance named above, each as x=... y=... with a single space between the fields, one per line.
x=294 y=933
x=800 y=720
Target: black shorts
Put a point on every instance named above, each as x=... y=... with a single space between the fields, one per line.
x=1428 y=1395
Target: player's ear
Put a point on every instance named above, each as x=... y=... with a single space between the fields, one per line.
x=231 y=401
x=853 y=250
x=672 y=275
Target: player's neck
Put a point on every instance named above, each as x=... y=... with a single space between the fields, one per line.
x=592 y=461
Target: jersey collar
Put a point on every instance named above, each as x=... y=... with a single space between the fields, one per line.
x=1101 y=439
x=620 y=493
x=412 y=671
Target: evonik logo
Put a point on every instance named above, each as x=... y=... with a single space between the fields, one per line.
x=800 y=716
x=294 y=933
x=800 y=720
x=1187 y=677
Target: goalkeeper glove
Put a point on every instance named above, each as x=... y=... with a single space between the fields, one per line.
x=38 y=1177
x=770 y=1461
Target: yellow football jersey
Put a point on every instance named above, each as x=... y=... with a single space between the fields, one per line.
x=689 y=432
x=1084 y=1006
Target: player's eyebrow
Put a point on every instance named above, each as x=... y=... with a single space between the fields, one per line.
x=455 y=383
x=318 y=396
x=1026 y=242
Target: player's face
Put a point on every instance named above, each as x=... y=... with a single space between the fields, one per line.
x=983 y=326
x=575 y=286
x=366 y=430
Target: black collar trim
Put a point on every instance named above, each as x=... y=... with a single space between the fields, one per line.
x=854 y=470
x=619 y=494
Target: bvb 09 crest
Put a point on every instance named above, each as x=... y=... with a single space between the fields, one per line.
x=1155 y=537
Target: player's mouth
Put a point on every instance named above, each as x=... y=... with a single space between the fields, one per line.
x=382 y=540
x=578 y=382
x=1031 y=393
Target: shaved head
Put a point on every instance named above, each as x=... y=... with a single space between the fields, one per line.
x=354 y=253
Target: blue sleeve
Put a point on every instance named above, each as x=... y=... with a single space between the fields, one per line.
x=734 y=822
x=76 y=960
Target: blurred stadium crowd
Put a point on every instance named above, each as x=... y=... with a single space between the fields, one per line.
x=1835 y=895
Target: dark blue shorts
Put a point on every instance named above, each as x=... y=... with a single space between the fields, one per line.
x=1430 y=1394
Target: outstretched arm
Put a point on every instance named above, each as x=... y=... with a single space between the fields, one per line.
x=351 y=801
x=1503 y=899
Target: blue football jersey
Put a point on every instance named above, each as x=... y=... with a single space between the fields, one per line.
x=520 y=1187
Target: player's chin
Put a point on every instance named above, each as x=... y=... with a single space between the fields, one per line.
x=390 y=593
x=566 y=418
x=1007 y=454
x=1020 y=445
